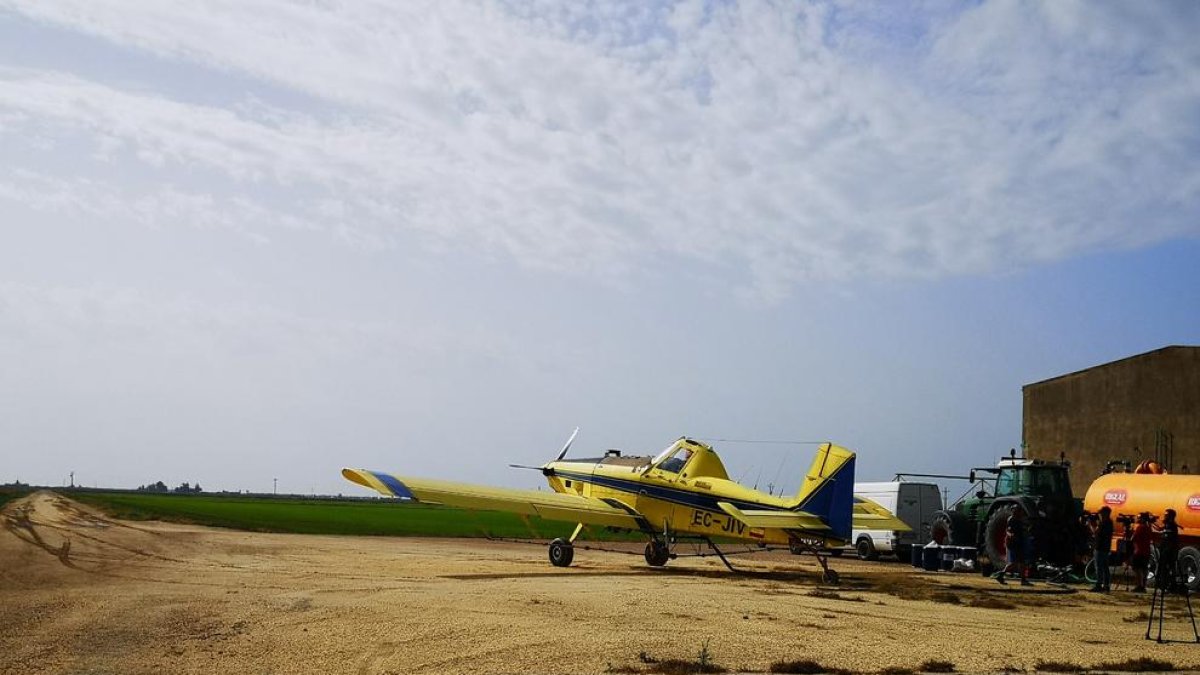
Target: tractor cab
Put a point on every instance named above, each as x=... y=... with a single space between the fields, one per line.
x=1033 y=478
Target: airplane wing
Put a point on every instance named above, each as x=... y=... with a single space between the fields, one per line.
x=783 y=520
x=548 y=505
x=869 y=515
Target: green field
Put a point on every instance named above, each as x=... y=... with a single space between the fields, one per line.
x=9 y=494
x=322 y=516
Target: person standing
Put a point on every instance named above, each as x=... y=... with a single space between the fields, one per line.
x=1015 y=547
x=1168 y=551
x=1104 y=537
x=1140 y=560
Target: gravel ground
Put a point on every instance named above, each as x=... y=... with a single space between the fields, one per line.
x=157 y=597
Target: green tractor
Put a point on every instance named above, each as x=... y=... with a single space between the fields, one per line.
x=1041 y=489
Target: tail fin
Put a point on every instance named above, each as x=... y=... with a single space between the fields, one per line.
x=828 y=489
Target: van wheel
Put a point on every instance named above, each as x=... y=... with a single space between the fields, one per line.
x=866 y=549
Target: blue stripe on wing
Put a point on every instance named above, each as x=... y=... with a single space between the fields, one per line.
x=399 y=489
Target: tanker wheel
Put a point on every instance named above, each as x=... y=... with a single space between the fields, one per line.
x=1151 y=569
x=561 y=553
x=1189 y=567
x=657 y=553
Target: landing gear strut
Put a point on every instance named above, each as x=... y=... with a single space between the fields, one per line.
x=720 y=554
x=828 y=575
x=562 y=551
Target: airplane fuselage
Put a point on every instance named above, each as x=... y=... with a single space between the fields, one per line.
x=673 y=503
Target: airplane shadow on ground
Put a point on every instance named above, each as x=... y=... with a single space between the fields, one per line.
x=806 y=577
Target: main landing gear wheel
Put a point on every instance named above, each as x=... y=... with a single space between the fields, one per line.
x=657 y=554
x=561 y=553
x=830 y=577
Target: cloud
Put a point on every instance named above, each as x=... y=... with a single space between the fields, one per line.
x=772 y=144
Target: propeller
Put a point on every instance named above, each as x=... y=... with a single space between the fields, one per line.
x=561 y=454
x=568 y=445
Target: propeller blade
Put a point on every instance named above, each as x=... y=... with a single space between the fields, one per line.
x=568 y=445
x=522 y=466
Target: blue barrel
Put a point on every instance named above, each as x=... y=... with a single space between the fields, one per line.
x=931 y=558
x=917 y=557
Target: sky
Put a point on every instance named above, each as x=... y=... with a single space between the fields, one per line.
x=266 y=239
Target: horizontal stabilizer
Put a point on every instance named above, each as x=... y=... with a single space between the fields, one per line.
x=869 y=515
x=784 y=520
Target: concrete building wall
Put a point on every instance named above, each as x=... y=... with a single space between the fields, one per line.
x=1142 y=407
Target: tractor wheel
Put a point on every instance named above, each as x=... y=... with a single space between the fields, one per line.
x=561 y=553
x=657 y=554
x=866 y=549
x=942 y=529
x=1189 y=567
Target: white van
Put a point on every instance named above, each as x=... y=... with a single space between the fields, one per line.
x=914 y=503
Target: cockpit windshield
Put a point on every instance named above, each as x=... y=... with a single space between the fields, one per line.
x=672 y=460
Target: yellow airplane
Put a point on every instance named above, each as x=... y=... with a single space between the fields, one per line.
x=683 y=493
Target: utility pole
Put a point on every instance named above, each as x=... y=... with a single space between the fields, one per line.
x=274 y=486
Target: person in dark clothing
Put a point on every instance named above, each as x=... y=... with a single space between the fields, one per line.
x=1016 y=547
x=1140 y=560
x=1168 y=551
x=1104 y=537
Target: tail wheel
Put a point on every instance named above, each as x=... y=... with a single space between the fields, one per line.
x=657 y=553
x=561 y=553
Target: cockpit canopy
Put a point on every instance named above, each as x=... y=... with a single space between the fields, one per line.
x=690 y=459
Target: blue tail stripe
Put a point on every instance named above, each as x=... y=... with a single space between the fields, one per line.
x=833 y=501
x=399 y=489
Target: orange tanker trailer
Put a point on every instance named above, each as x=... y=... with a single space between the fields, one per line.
x=1129 y=494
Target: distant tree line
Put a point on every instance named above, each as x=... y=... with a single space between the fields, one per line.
x=160 y=486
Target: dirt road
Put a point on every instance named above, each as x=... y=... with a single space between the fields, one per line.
x=156 y=597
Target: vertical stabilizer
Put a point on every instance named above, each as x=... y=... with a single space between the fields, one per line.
x=828 y=489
